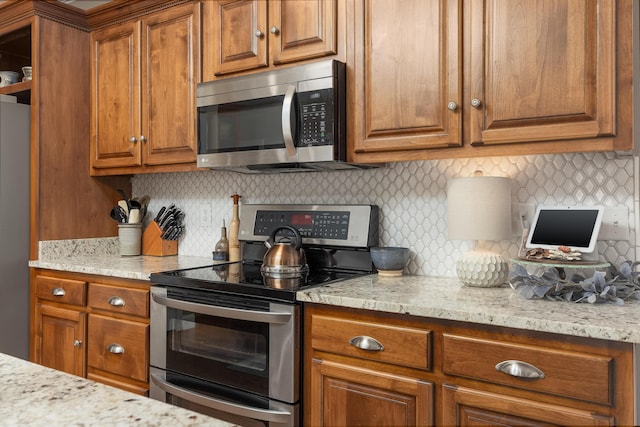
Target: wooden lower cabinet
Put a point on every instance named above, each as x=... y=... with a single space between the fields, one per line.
x=61 y=339
x=381 y=369
x=346 y=395
x=469 y=407
x=118 y=346
x=91 y=326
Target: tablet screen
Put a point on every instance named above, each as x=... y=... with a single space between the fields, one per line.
x=576 y=227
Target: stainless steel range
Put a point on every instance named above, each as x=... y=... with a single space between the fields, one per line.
x=225 y=341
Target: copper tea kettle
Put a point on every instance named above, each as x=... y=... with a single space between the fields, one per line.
x=284 y=265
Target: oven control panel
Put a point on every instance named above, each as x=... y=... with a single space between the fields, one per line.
x=317 y=225
x=336 y=225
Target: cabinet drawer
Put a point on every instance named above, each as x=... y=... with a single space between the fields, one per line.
x=119 y=300
x=118 y=346
x=61 y=290
x=572 y=374
x=404 y=346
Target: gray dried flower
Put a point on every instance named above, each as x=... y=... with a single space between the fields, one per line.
x=612 y=285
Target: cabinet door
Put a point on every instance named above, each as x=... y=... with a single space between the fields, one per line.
x=405 y=75
x=469 y=407
x=541 y=70
x=302 y=29
x=62 y=339
x=235 y=36
x=115 y=104
x=344 y=395
x=170 y=46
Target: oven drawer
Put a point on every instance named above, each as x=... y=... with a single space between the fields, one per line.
x=397 y=345
x=118 y=299
x=118 y=346
x=61 y=290
x=578 y=375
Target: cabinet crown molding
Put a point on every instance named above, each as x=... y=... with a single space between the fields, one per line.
x=118 y=11
x=16 y=11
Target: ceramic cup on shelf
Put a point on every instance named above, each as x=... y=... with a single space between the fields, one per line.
x=27 y=71
x=8 y=78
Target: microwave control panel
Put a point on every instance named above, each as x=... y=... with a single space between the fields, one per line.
x=316 y=111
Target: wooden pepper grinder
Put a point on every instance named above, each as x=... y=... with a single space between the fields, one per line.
x=234 y=226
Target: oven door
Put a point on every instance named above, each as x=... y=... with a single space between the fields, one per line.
x=228 y=340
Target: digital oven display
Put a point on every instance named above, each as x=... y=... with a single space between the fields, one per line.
x=301 y=219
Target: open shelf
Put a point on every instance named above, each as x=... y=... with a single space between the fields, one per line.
x=21 y=90
x=15 y=88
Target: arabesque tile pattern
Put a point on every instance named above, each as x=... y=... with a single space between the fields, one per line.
x=411 y=195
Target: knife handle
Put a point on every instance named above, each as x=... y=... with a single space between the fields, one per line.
x=159 y=215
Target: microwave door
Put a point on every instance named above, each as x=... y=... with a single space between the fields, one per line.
x=255 y=126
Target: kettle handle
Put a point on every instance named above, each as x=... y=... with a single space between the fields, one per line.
x=272 y=237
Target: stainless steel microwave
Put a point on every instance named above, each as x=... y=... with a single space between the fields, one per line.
x=285 y=120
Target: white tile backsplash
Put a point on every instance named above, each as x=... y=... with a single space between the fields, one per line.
x=411 y=197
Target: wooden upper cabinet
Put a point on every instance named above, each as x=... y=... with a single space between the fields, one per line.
x=302 y=29
x=144 y=74
x=440 y=79
x=244 y=35
x=405 y=75
x=234 y=38
x=115 y=106
x=170 y=42
x=541 y=70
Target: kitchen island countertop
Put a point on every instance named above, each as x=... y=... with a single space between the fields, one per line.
x=34 y=395
x=446 y=298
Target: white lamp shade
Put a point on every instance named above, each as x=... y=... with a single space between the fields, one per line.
x=479 y=208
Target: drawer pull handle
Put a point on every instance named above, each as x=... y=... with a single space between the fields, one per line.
x=115 y=348
x=116 y=301
x=77 y=343
x=517 y=368
x=58 y=292
x=364 y=342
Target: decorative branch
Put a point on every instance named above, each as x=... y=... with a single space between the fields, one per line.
x=612 y=285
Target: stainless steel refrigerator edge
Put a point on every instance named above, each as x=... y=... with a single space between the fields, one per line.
x=14 y=229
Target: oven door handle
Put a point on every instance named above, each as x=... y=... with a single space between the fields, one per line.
x=230 y=313
x=269 y=415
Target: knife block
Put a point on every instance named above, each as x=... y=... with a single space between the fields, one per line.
x=153 y=244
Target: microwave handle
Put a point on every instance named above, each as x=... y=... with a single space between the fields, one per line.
x=230 y=313
x=287 y=133
x=268 y=415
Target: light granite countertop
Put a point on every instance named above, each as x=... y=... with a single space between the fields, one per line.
x=101 y=256
x=34 y=395
x=137 y=267
x=442 y=298
x=447 y=298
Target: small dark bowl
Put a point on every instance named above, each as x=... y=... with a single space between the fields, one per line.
x=390 y=260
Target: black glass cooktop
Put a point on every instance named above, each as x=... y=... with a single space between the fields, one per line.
x=244 y=278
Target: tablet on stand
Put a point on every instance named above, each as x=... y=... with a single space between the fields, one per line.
x=576 y=227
